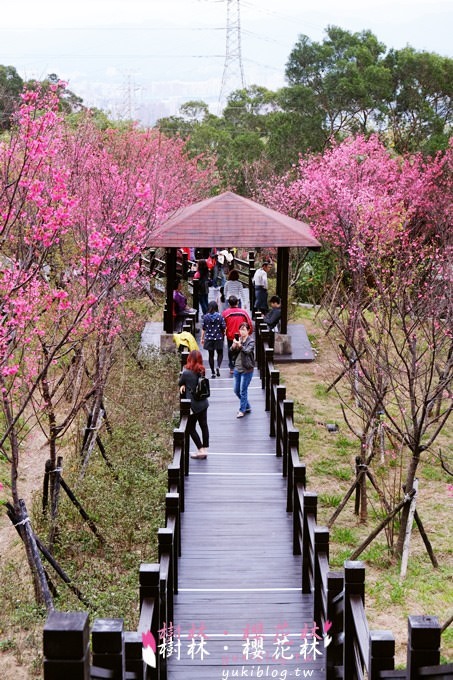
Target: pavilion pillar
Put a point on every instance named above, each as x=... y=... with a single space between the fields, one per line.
x=282 y=285
x=170 y=266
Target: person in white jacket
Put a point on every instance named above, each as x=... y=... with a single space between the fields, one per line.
x=260 y=284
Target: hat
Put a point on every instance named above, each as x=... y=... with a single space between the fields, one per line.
x=266 y=262
x=232 y=300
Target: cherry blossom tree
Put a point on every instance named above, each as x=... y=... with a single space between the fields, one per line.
x=76 y=210
x=387 y=219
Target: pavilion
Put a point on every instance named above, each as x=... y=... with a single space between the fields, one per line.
x=231 y=220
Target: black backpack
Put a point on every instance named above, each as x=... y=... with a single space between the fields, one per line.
x=202 y=389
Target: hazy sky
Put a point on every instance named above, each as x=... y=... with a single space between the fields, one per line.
x=143 y=58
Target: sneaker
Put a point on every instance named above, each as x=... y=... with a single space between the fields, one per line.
x=218 y=372
x=240 y=414
x=213 y=375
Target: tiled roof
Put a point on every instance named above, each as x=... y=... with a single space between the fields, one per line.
x=230 y=220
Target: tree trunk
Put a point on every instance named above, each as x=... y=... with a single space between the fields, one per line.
x=408 y=486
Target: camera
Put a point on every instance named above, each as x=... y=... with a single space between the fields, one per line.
x=236 y=336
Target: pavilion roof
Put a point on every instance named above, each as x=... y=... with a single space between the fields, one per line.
x=230 y=220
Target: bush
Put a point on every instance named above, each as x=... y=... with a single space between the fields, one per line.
x=317 y=270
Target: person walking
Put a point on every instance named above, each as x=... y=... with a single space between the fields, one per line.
x=234 y=287
x=212 y=335
x=202 y=277
x=198 y=409
x=243 y=348
x=233 y=318
x=217 y=280
x=261 y=285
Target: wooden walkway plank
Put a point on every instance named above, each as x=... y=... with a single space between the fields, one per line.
x=239 y=609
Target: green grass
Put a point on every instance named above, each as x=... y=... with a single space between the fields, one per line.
x=344 y=536
x=320 y=391
x=127 y=505
x=125 y=502
x=345 y=445
x=330 y=467
x=330 y=500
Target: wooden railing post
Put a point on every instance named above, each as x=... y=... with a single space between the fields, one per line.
x=334 y=614
x=320 y=570
x=172 y=509
x=354 y=584
x=179 y=445
x=175 y=469
x=274 y=379
x=269 y=356
x=268 y=359
x=66 y=646
x=184 y=410
x=288 y=415
x=107 y=642
x=174 y=482
x=189 y=324
x=166 y=549
x=184 y=356
x=280 y=393
x=292 y=461
x=133 y=646
x=149 y=586
x=423 y=643
x=174 y=544
x=259 y=343
x=298 y=490
x=309 y=512
x=382 y=653
x=149 y=592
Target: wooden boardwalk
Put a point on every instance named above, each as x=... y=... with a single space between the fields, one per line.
x=239 y=608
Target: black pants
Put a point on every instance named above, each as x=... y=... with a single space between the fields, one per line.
x=202 y=419
x=211 y=358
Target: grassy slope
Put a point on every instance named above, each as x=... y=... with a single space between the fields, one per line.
x=126 y=504
x=329 y=458
x=128 y=510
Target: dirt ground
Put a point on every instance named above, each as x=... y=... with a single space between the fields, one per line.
x=301 y=381
x=32 y=465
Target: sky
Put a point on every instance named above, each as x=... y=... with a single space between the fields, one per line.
x=142 y=59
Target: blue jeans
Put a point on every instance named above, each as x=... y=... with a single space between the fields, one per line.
x=261 y=299
x=241 y=386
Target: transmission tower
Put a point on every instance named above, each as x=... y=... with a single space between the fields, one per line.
x=233 y=71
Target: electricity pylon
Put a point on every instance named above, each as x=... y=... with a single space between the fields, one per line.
x=233 y=71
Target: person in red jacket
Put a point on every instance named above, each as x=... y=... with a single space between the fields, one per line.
x=234 y=316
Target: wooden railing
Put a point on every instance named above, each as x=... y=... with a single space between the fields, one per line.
x=155 y=267
x=338 y=597
x=116 y=653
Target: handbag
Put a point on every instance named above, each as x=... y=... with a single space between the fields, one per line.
x=202 y=389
